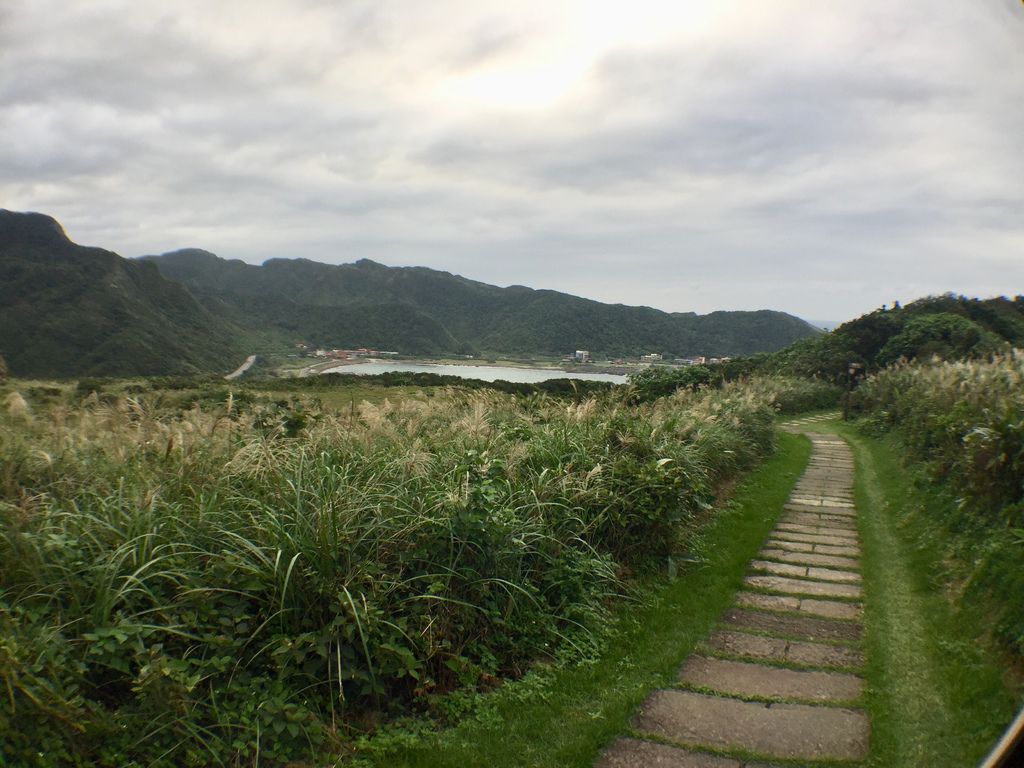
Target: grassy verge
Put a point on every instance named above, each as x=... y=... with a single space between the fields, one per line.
x=562 y=717
x=938 y=694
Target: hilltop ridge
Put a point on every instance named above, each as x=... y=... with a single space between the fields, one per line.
x=70 y=310
x=370 y=304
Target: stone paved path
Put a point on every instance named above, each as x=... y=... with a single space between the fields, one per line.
x=779 y=679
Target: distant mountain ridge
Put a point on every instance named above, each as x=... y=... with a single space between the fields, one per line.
x=416 y=310
x=70 y=310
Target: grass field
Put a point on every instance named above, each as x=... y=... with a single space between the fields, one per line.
x=197 y=575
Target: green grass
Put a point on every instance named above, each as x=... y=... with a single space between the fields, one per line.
x=344 y=399
x=938 y=694
x=563 y=717
x=192 y=574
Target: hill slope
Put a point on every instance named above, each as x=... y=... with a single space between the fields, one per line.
x=950 y=327
x=416 y=310
x=68 y=310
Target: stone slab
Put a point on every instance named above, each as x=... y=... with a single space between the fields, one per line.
x=744 y=678
x=831 y=609
x=791 y=507
x=823 y=491
x=809 y=558
x=792 y=546
x=793 y=731
x=791 y=586
x=777 y=649
x=822 y=655
x=831 y=502
x=767 y=602
x=636 y=753
x=749 y=646
x=833 y=574
x=818 y=530
x=814 y=538
x=818 y=521
x=844 y=550
x=839 y=517
x=811 y=504
x=779 y=569
x=795 y=627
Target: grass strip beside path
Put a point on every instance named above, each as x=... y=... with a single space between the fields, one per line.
x=938 y=694
x=562 y=717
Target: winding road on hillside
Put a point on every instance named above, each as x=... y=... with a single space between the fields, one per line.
x=242 y=368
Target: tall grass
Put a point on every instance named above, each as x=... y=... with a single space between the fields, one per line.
x=235 y=585
x=965 y=421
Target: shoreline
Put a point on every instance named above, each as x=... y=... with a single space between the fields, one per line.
x=331 y=366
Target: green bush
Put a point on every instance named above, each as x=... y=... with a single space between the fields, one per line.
x=965 y=421
x=225 y=584
x=658 y=381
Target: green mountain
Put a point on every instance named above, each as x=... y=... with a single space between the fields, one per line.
x=949 y=326
x=415 y=310
x=67 y=310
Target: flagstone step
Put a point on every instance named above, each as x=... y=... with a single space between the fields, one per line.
x=832 y=540
x=811 y=547
x=808 y=518
x=847 y=512
x=795 y=627
x=780 y=650
x=790 y=586
x=791 y=731
x=742 y=678
x=809 y=558
x=831 y=609
x=637 y=753
x=845 y=550
x=819 y=529
x=805 y=571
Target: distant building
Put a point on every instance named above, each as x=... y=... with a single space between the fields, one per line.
x=654 y=357
x=582 y=356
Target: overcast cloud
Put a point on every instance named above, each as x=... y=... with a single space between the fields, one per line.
x=816 y=157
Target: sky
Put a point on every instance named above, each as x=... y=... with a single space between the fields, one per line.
x=813 y=156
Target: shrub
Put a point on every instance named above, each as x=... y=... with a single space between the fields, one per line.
x=965 y=420
x=224 y=584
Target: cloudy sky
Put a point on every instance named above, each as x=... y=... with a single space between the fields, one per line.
x=815 y=156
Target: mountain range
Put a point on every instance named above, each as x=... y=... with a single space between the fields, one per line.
x=69 y=310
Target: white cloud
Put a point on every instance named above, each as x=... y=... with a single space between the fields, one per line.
x=819 y=158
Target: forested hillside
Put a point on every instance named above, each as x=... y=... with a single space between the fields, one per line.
x=949 y=327
x=68 y=310
x=422 y=311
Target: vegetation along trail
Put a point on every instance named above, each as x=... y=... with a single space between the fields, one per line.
x=286 y=573
x=781 y=676
x=845 y=646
